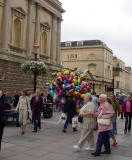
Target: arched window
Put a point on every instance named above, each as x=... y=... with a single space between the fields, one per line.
x=17 y=32
x=92 y=68
x=44 y=42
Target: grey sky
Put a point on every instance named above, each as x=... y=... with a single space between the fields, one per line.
x=106 y=20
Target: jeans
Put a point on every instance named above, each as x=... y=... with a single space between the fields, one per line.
x=127 y=121
x=114 y=124
x=37 y=120
x=14 y=115
x=103 y=139
x=68 y=120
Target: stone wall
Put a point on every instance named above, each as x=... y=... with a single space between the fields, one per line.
x=13 y=78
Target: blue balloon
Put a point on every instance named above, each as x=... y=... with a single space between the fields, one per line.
x=69 y=86
x=77 y=88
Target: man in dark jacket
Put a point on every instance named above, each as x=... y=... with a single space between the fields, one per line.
x=36 y=107
x=15 y=99
x=2 y=116
x=70 y=110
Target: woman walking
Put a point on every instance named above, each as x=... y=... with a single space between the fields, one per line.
x=105 y=124
x=23 y=108
x=88 y=125
x=70 y=110
x=36 y=106
x=127 y=110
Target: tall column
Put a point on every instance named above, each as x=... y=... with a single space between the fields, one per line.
x=58 y=41
x=53 y=40
x=37 y=26
x=5 y=25
x=29 y=26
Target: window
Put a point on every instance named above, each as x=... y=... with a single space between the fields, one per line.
x=118 y=65
x=68 y=44
x=17 y=32
x=44 y=42
x=72 y=56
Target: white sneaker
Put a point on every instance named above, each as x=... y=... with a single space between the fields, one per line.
x=77 y=148
x=89 y=149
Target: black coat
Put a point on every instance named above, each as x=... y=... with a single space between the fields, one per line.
x=2 y=111
x=37 y=107
x=70 y=106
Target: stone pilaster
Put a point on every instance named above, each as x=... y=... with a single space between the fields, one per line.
x=29 y=26
x=37 y=26
x=53 y=40
x=5 y=25
x=58 y=41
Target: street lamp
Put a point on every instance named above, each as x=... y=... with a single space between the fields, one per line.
x=36 y=46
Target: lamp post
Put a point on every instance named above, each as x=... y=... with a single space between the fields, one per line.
x=36 y=46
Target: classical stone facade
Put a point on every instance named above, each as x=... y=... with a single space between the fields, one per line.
x=93 y=55
x=24 y=24
x=122 y=80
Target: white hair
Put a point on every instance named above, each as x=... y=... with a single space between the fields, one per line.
x=88 y=96
x=103 y=96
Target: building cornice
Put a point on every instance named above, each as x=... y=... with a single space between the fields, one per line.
x=87 y=47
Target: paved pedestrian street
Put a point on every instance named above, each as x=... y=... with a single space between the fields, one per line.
x=51 y=144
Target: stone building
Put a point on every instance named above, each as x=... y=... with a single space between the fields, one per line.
x=122 y=80
x=24 y=24
x=93 y=55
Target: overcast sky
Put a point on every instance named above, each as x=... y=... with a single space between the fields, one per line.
x=106 y=20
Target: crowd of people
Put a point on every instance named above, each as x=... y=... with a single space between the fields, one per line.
x=97 y=113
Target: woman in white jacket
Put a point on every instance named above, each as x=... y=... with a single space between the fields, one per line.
x=23 y=108
x=88 y=125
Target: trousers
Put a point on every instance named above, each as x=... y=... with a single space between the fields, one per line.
x=87 y=135
x=103 y=139
x=128 y=118
x=1 y=132
x=37 y=120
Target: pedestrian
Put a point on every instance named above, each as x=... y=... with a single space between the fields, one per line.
x=3 y=111
x=105 y=124
x=127 y=110
x=36 y=107
x=95 y=100
x=121 y=102
x=88 y=125
x=70 y=110
x=23 y=108
x=111 y=132
x=116 y=107
x=15 y=99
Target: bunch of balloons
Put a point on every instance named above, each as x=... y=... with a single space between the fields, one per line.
x=69 y=82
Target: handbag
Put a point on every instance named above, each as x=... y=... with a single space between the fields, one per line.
x=103 y=121
x=74 y=122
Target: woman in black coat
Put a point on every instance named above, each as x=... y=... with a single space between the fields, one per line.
x=70 y=110
x=2 y=117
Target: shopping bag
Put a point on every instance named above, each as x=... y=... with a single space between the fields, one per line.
x=74 y=122
x=62 y=118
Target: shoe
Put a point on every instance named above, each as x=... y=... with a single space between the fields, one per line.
x=114 y=144
x=106 y=152
x=22 y=133
x=129 y=131
x=95 y=154
x=74 y=130
x=77 y=148
x=89 y=149
x=34 y=131
x=64 y=130
x=17 y=125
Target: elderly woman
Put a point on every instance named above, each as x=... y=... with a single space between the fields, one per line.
x=88 y=125
x=23 y=108
x=105 y=124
